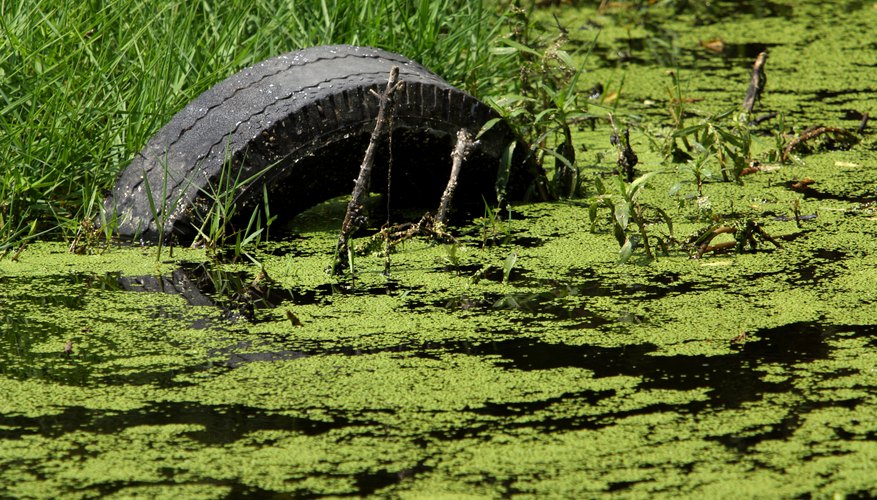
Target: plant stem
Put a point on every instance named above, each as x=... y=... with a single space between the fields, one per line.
x=353 y=218
x=461 y=151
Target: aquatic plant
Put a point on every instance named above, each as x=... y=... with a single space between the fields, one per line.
x=491 y=226
x=719 y=138
x=508 y=265
x=579 y=381
x=542 y=101
x=158 y=211
x=217 y=228
x=698 y=169
x=624 y=207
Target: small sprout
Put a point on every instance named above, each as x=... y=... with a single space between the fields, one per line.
x=796 y=209
x=260 y=277
x=451 y=257
x=293 y=318
x=480 y=274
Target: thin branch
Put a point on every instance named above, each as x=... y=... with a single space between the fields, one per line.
x=756 y=83
x=811 y=133
x=461 y=151
x=354 y=218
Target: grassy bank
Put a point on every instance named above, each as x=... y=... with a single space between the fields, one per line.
x=83 y=85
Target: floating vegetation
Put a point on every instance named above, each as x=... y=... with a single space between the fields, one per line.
x=519 y=358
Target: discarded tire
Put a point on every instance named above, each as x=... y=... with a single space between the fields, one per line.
x=302 y=121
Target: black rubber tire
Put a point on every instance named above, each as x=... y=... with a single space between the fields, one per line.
x=308 y=115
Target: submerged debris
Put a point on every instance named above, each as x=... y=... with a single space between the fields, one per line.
x=840 y=138
x=742 y=239
x=756 y=83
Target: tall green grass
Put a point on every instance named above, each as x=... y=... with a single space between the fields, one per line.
x=84 y=84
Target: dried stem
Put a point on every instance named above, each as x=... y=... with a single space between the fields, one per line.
x=811 y=133
x=750 y=231
x=756 y=83
x=354 y=218
x=461 y=151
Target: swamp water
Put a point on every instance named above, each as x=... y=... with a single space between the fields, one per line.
x=725 y=376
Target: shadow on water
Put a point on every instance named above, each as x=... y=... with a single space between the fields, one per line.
x=728 y=380
x=866 y=195
x=364 y=484
x=731 y=379
x=221 y=424
x=238 y=294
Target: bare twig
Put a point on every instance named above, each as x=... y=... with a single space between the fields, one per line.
x=392 y=235
x=461 y=151
x=17 y=253
x=741 y=238
x=703 y=243
x=813 y=132
x=765 y=117
x=434 y=227
x=753 y=228
x=354 y=218
x=756 y=83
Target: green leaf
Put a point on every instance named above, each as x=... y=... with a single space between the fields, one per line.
x=559 y=156
x=622 y=187
x=502 y=174
x=542 y=114
x=625 y=252
x=622 y=213
x=667 y=219
x=687 y=131
x=599 y=186
x=565 y=58
x=487 y=126
x=619 y=234
x=639 y=182
x=592 y=215
x=724 y=114
x=520 y=47
x=503 y=51
x=507 y=267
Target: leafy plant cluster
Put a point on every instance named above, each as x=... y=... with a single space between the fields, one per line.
x=545 y=102
x=541 y=101
x=625 y=208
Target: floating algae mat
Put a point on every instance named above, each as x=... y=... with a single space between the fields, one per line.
x=564 y=374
